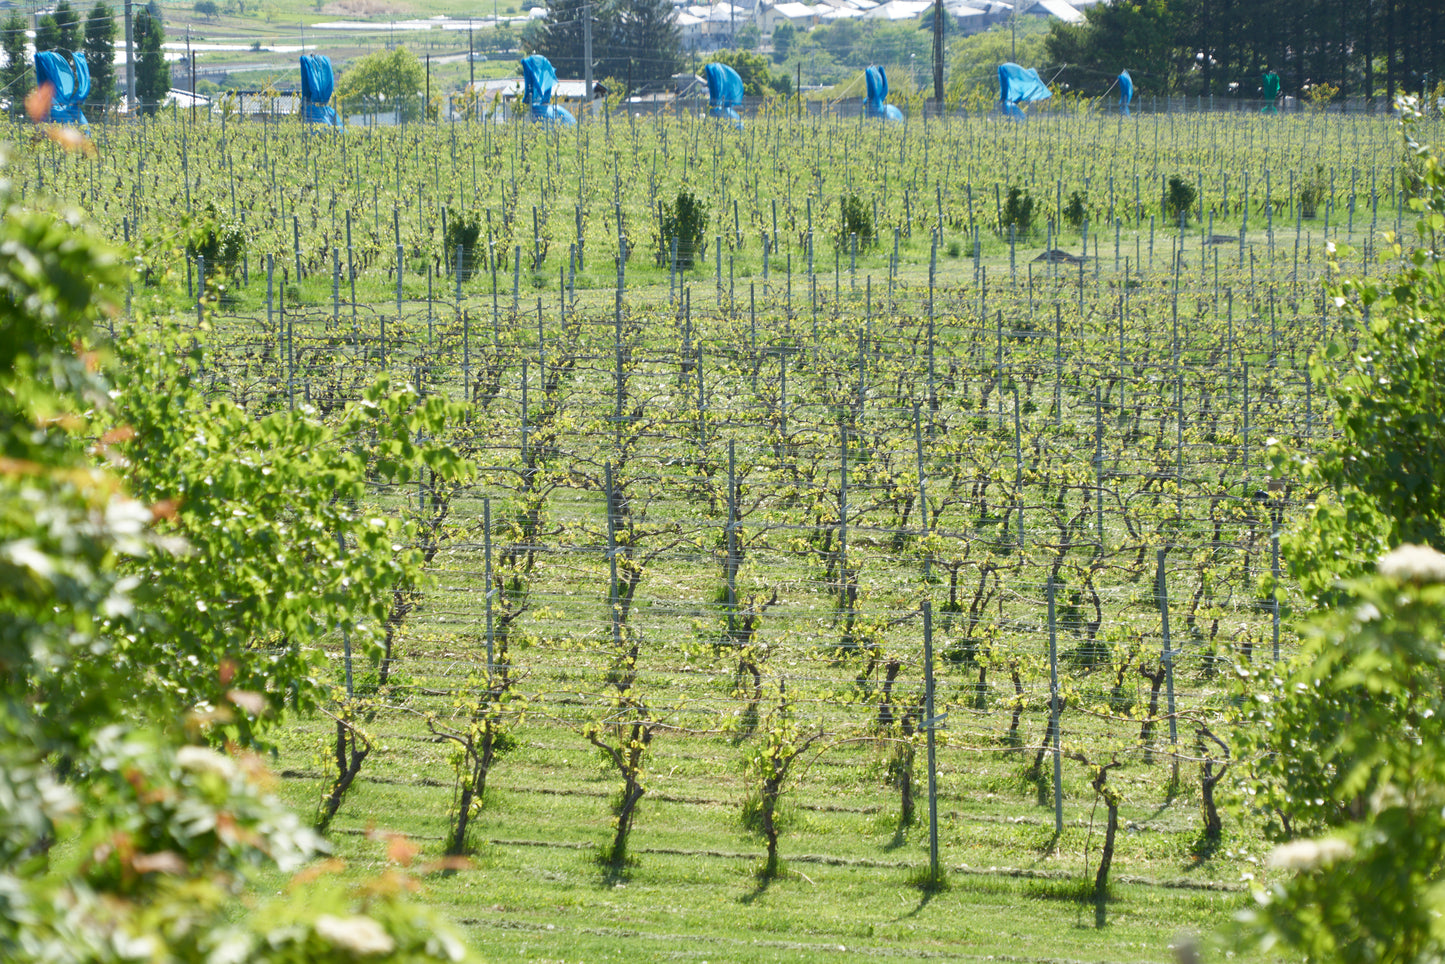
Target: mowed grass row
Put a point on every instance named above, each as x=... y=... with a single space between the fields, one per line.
x=535 y=888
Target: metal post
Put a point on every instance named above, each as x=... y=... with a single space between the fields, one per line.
x=938 y=23
x=270 y=295
x=1167 y=657
x=922 y=491
x=732 y=540
x=930 y=724
x=1274 y=572
x=129 y=57
x=1054 y=713
x=612 y=557
x=587 y=57
x=1099 y=465
x=345 y=634
x=1018 y=466
x=487 y=551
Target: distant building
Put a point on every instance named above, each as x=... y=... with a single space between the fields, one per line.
x=500 y=99
x=259 y=104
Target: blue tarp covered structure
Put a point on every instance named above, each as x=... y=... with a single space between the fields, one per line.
x=318 y=83
x=1271 y=92
x=873 y=105
x=1018 y=85
x=539 y=80
x=1126 y=92
x=724 y=92
x=70 y=84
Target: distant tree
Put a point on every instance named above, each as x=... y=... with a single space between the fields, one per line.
x=531 y=34
x=894 y=43
x=100 y=55
x=561 y=40
x=384 y=81
x=839 y=38
x=782 y=41
x=749 y=36
x=68 y=25
x=973 y=61
x=636 y=40
x=207 y=8
x=1223 y=46
x=503 y=38
x=47 y=34
x=1141 y=35
x=646 y=45
x=152 y=74
x=753 y=69
x=16 y=75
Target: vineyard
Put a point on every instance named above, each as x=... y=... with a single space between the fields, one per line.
x=807 y=463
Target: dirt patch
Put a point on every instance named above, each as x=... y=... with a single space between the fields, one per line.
x=1059 y=256
x=361 y=9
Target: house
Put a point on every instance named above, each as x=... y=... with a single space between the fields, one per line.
x=899 y=10
x=498 y=99
x=1057 y=9
x=259 y=104
x=800 y=15
x=691 y=29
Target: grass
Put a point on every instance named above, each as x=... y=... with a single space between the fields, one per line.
x=849 y=881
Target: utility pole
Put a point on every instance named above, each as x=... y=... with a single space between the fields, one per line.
x=1013 y=26
x=587 y=56
x=129 y=59
x=471 y=58
x=938 y=53
x=191 y=58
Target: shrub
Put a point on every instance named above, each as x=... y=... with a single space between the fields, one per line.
x=1179 y=200
x=220 y=239
x=1312 y=191
x=686 y=220
x=463 y=230
x=1018 y=212
x=1319 y=96
x=1077 y=210
x=854 y=217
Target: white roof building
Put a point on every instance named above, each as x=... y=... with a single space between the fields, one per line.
x=1061 y=10
x=799 y=14
x=899 y=10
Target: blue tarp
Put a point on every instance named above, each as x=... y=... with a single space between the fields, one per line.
x=873 y=105
x=1126 y=92
x=318 y=83
x=1018 y=85
x=724 y=92
x=70 y=84
x=1271 y=91
x=539 y=80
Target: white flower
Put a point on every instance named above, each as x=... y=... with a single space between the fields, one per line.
x=1388 y=797
x=360 y=935
x=445 y=946
x=1413 y=564
x=1367 y=612
x=202 y=759
x=1310 y=854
